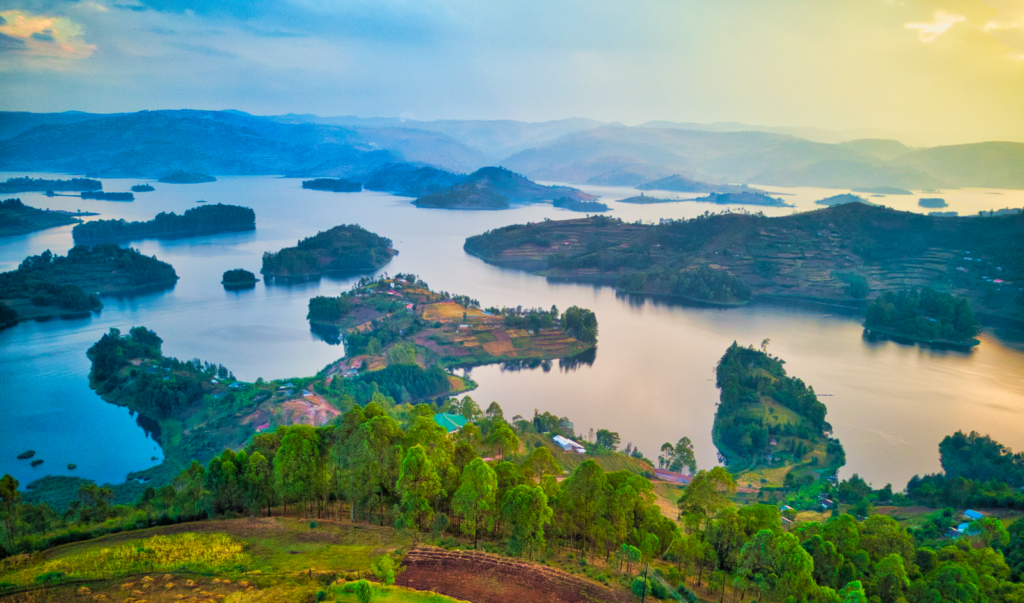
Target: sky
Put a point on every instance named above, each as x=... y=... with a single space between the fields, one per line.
x=932 y=71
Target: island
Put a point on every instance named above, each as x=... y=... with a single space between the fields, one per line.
x=48 y=285
x=924 y=316
x=580 y=206
x=27 y=185
x=345 y=249
x=17 y=218
x=932 y=202
x=143 y=188
x=398 y=328
x=497 y=188
x=883 y=190
x=410 y=180
x=334 y=185
x=842 y=199
x=767 y=419
x=838 y=255
x=198 y=221
x=183 y=177
x=239 y=278
x=681 y=184
x=643 y=199
x=102 y=196
x=742 y=198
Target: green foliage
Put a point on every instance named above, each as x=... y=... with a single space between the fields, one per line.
x=198 y=220
x=580 y=323
x=8 y=316
x=334 y=185
x=345 y=248
x=676 y=458
x=702 y=284
x=923 y=314
x=238 y=276
x=476 y=497
x=386 y=569
x=525 y=509
x=364 y=591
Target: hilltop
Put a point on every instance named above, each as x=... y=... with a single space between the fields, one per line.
x=497 y=188
x=345 y=249
x=823 y=254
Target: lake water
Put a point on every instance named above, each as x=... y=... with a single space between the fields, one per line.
x=652 y=379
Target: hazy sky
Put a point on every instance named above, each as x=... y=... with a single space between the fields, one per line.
x=922 y=67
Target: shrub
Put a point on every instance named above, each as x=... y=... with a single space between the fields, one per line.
x=364 y=591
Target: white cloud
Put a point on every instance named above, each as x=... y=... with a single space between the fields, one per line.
x=928 y=32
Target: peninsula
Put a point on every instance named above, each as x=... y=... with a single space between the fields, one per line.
x=497 y=188
x=334 y=185
x=811 y=255
x=48 y=285
x=925 y=316
x=198 y=221
x=345 y=249
x=26 y=185
x=183 y=177
x=17 y=218
x=102 y=196
x=580 y=206
x=766 y=418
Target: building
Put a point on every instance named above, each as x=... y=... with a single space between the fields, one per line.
x=671 y=476
x=973 y=515
x=451 y=423
x=569 y=446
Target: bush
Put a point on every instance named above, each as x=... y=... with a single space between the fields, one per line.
x=640 y=586
x=688 y=595
x=50 y=578
x=364 y=591
x=386 y=570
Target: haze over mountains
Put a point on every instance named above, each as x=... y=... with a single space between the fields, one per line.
x=151 y=143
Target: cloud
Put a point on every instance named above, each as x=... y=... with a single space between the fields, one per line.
x=10 y=43
x=928 y=32
x=45 y=36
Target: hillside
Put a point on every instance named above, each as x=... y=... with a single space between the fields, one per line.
x=497 y=188
x=205 y=220
x=768 y=419
x=345 y=249
x=820 y=254
x=985 y=164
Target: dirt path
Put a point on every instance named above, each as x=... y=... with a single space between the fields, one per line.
x=485 y=578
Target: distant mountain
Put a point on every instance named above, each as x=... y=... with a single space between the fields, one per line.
x=409 y=180
x=878 y=147
x=498 y=188
x=984 y=164
x=807 y=133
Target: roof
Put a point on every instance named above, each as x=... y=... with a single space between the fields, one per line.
x=563 y=441
x=450 y=422
x=973 y=514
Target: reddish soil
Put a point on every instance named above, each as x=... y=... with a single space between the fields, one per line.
x=485 y=578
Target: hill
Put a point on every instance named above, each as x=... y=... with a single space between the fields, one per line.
x=410 y=180
x=497 y=188
x=345 y=249
x=881 y=148
x=205 y=220
x=818 y=254
x=768 y=419
x=985 y=164
x=50 y=285
x=681 y=184
x=16 y=218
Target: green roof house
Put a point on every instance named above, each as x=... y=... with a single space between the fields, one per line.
x=450 y=422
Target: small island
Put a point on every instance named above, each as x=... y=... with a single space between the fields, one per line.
x=924 y=316
x=48 y=285
x=678 y=183
x=767 y=419
x=183 y=177
x=143 y=188
x=497 y=188
x=26 y=455
x=581 y=206
x=390 y=323
x=345 y=249
x=239 y=278
x=842 y=200
x=334 y=185
x=27 y=185
x=742 y=198
x=932 y=202
x=883 y=190
x=643 y=199
x=17 y=218
x=205 y=220
x=102 y=196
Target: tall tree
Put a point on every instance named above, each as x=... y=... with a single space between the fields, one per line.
x=418 y=485
x=474 y=501
x=707 y=493
x=526 y=512
x=10 y=499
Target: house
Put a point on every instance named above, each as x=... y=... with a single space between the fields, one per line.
x=973 y=515
x=260 y=428
x=451 y=423
x=356 y=364
x=569 y=446
x=671 y=476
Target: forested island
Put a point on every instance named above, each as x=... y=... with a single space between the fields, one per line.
x=410 y=180
x=932 y=202
x=497 y=188
x=580 y=206
x=768 y=419
x=334 y=185
x=198 y=221
x=48 y=285
x=25 y=185
x=643 y=199
x=16 y=218
x=143 y=188
x=183 y=177
x=102 y=196
x=681 y=184
x=344 y=249
x=239 y=278
x=842 y=199
x=398 y=329
x=839 y=254
x=923 y=315
x=742 y=197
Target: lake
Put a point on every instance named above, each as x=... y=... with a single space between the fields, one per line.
x=651 y=380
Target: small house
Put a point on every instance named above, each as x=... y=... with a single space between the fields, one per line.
x=451 y=423
x=671 y=476
x=973 y=515
x=569 y=446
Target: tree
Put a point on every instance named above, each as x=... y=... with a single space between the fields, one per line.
x=630 y=554
x=474 y=501
x=377 y=459
x=10 y=498
x=582 y=501
x=504 y=440
x=707 y=493
x=607 y=439
x=853 y=593
x=418 y=485
x=385 y=569
x=890 y=578
x=258 y=479
x=526 y=512
x=540 y=463
x=674 y=458
x=296 y=464
x=364 y=591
